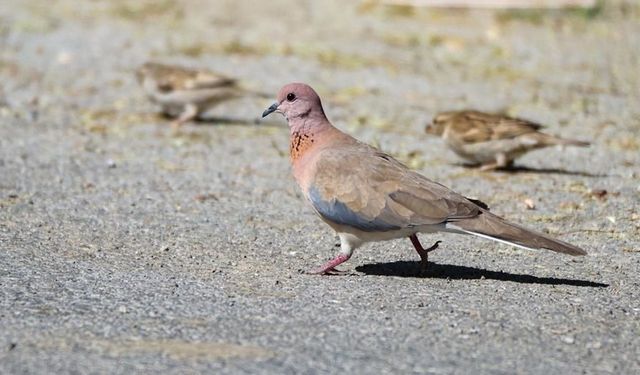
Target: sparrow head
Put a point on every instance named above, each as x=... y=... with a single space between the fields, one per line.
x=438 y=124
x=296 y=100
x=150 y=70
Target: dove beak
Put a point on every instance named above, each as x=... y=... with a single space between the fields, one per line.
x=270 y=110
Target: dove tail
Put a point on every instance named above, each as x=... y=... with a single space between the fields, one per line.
x=495 y=228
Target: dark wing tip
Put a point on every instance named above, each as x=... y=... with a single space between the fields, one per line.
x=577 y=252
x=479 y=203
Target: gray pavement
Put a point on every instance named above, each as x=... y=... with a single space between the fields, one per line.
x=128 y=248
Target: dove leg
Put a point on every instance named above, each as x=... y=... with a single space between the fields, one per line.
x=348 y=244
x=329 y=267
x=189 y=113
x=424 y=253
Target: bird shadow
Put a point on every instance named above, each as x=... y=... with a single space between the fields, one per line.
x=454 y=272
x=224 y=120
x=515 y=169
x=523 y=169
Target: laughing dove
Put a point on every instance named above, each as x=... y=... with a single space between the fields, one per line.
x=186 y=93
x=492 y=140
x=366 y=195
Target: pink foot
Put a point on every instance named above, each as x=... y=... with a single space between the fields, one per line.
x=329 y=267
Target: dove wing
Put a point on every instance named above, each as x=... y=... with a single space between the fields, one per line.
x=369 y=190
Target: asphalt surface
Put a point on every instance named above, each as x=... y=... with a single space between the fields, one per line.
x=126 y=247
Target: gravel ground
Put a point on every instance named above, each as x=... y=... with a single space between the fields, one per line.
x=126 y=247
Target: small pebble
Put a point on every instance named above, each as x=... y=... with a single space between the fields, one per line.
x=568 y=340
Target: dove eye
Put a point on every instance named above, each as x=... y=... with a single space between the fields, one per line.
x=291 y=97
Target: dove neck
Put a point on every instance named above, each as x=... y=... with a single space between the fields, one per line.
x=307 y=133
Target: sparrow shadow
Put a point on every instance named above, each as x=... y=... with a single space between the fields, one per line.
x=453 y=272
x=523 y=169
x=513 y=169
x=223 y=120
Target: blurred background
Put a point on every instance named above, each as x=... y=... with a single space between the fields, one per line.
x=380 y=65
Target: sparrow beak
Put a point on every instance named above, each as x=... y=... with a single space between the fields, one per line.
x=270 y=110
x=428 y=129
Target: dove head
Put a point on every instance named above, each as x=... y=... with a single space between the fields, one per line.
x=308 y=125
x=297 y=101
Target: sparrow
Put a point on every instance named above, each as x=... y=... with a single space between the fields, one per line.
x=492 y=141
x=186 y=93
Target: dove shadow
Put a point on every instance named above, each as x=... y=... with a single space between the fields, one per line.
x=454 y=272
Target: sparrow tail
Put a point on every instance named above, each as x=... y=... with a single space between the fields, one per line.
x=553 y=140
x=573 y=142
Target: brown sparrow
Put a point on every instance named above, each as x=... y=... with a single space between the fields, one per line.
x=186 y=93
x=491 y=140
